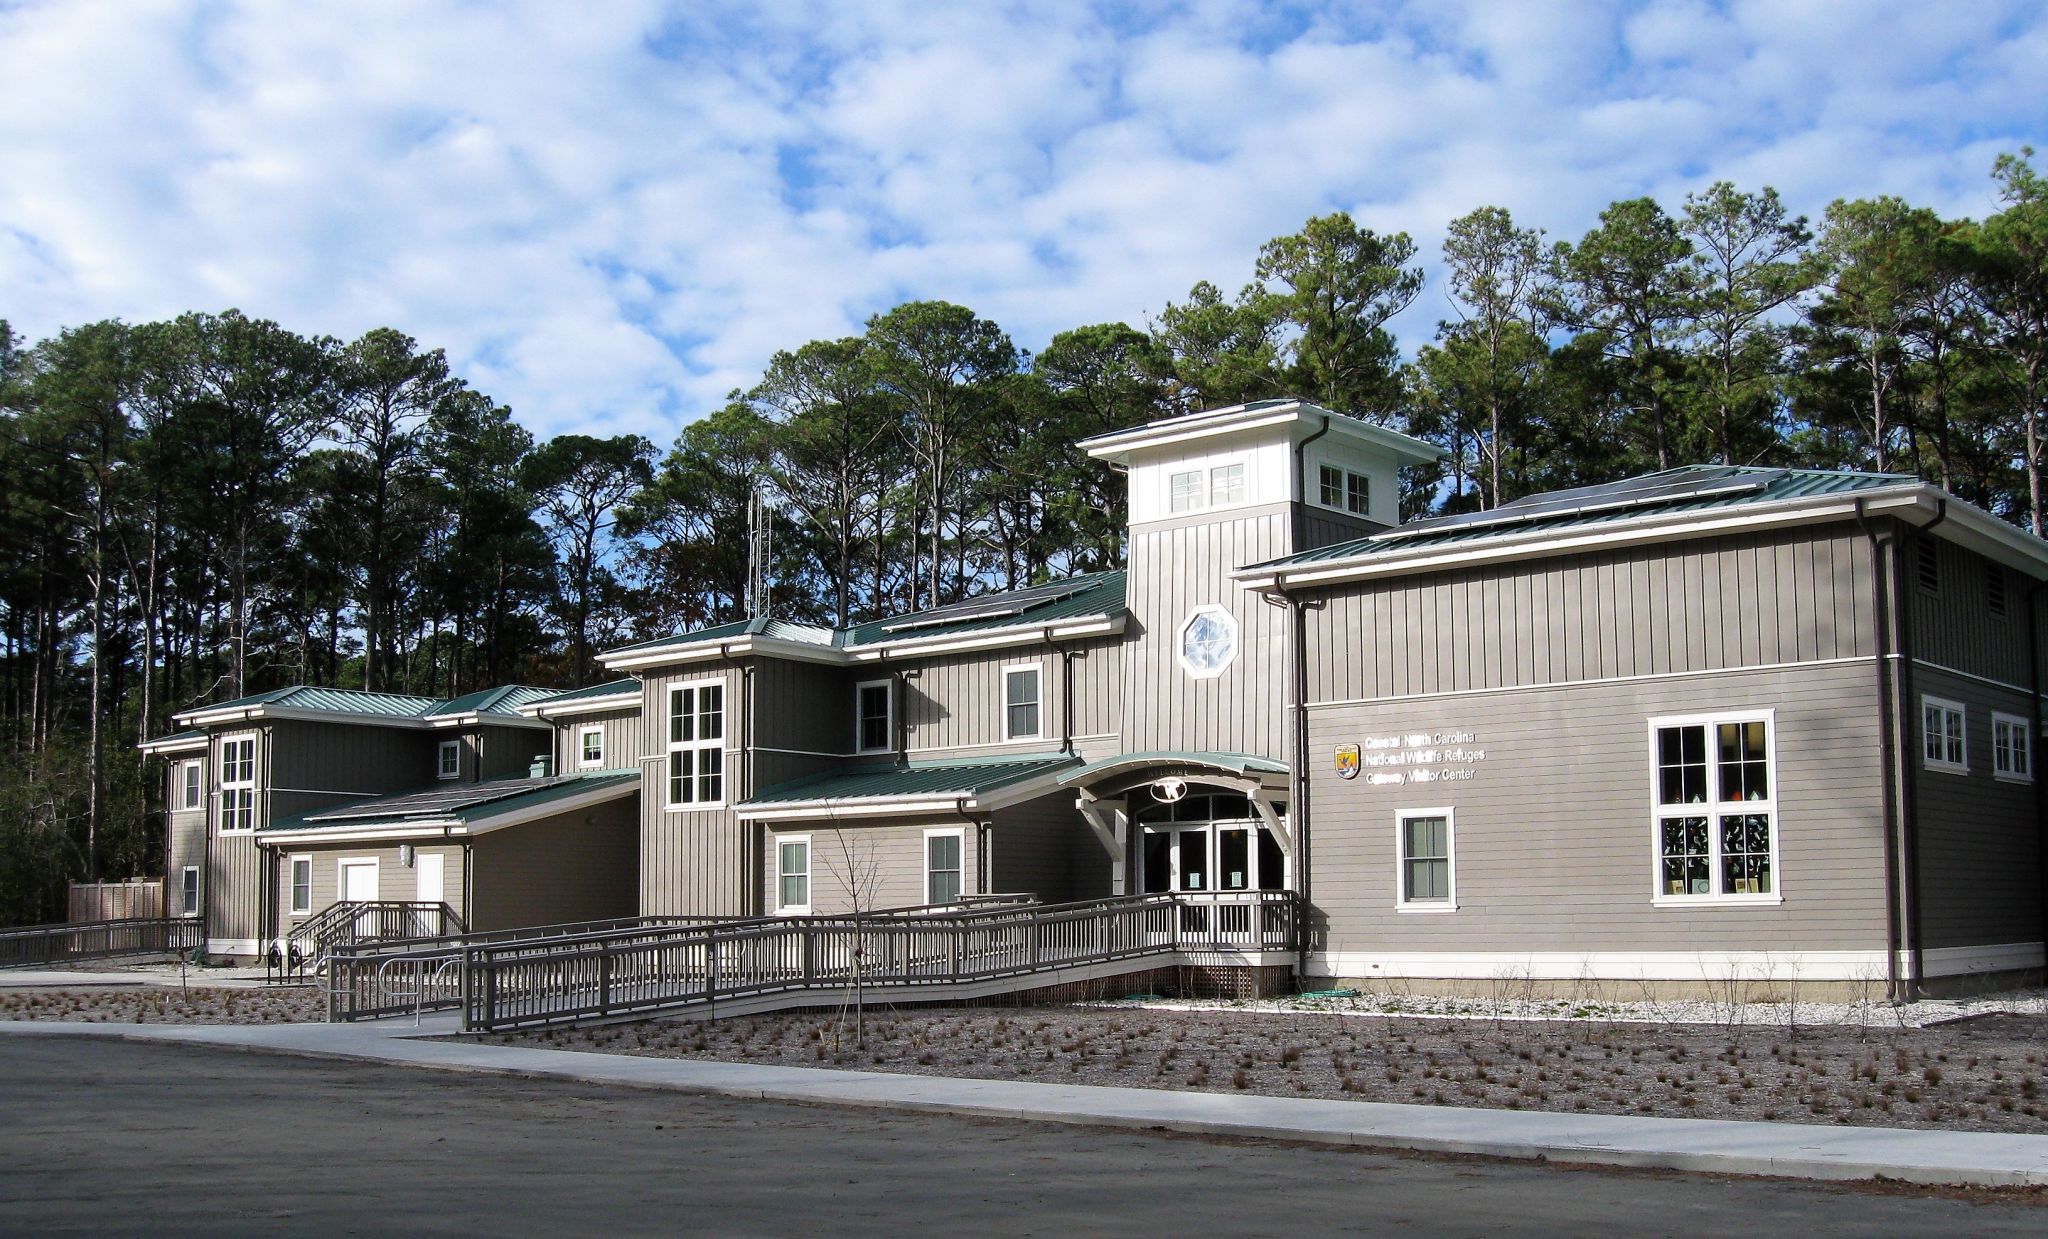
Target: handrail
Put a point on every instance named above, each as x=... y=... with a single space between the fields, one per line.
x=527 y=982
x=343 y=923
x=30 y=945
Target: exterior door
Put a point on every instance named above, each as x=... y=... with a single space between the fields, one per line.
x=359 y=885
x=428 y=870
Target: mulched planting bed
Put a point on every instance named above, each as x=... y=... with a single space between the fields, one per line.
x=165 y=1006
x=1985 y=1074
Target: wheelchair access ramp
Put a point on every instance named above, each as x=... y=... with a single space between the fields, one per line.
x=753 y=966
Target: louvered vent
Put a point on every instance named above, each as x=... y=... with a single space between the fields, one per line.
x=1929 y=564
x=1994 y=591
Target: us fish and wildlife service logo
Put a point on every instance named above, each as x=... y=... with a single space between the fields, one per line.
x=1347 y=761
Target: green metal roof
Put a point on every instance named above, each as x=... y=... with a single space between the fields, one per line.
x=191 y=735
x=360 y=703
x=1236 y=763
x=504 y=699
x=1584 y=507
x=467 y=804
x=1077 y=597
x=955 y=777
x=610 y=688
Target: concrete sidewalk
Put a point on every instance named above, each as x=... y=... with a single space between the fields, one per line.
x=1987 y=1159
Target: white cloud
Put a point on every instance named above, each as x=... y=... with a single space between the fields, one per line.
x=611 y=215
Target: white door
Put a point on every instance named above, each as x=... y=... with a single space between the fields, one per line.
x=359 y=881
x=430 y=891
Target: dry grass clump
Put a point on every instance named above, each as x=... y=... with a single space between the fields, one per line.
x=164 y=1006
x=1983 y=1075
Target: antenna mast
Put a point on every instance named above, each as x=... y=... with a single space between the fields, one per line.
x=760 y=551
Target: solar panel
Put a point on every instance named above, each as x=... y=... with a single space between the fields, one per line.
x=992 y=607
x=1635 y=493
x=437 y=801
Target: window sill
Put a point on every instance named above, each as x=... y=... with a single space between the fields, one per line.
x=1022 y=740
x=2021 y=779
x=1425 y=907
x=1944 y=768
x=1715 y=901
x=692 y=808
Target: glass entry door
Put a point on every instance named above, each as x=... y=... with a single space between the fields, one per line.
x=1208 y=843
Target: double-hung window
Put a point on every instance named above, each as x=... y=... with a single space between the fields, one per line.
x=448 y=759
x=1944 y=739
x=2012 y=748
x=696 y=745
x=302 y=885
x=190 y=892
x=1715 y=784
x=1020 y=703
x=1425 y=877
x=238 y=785
x=872 y=719
x=942 y=866
x=590 y=746
x=793 y=873
x=191 y=791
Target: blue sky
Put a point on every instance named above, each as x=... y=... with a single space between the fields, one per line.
x=611 y=215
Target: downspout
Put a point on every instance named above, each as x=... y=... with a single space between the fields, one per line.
x=750 y=861
x=984 y=832
x=1066 y=652
x=2033 y=754
x=1888 y=726
x=266 y=881
x=1909 y=784
x=1297 y=765
x=1301 y=486
x=902 y=718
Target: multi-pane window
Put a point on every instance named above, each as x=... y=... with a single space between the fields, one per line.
x=1944 y=741
x=1184 y=492
x=871 y=710
x=1226 y=485
x=590 y=746
x=2012 y=747
x=1716 y=808
x=448 y=759
x=238 y=785
x=696 y=745
x=191 y=791
x=1425 y=837
x=190 y=892
x=942 y=866
x=1020 y=703
x=302 y=885
x=793 y=874
x=1344 y=490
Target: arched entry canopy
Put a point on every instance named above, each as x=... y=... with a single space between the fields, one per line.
x=1101 y=786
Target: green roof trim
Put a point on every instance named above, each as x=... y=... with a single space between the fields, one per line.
x=1235 y=763
x=959 y=777
x=1769 y=486
x=467 y=805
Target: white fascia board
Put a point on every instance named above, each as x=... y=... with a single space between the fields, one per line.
x=583 y=705
x=478 y=720
x=1969 y=526
x=689 y=652
x=1118 y=446
x=813 y=810
x=1119 y=450
x=261 y=713
x=1530 y=546
x=159 y=748
x=991 y=639
x=453 y=827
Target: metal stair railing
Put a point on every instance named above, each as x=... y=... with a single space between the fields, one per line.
x=34 y=945
x=529 y=982
x=346 y=925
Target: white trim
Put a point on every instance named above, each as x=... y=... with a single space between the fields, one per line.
x=231 y=946
x=1401 y=901
x=583 y=762
x=1038 y=704
x=189 y=796
x=1867 y=966
x=1952 y=961
x=1180 y=640
x=582 y=705
x=441 y=750
x=693 y=746
x=1338 y=702
x=1345 y=473
x=453 y=828
x=205 y=717
x=1070 y=629
x=956 y=832
x=169 y=746
x=810 y=875
x=2007 y=685
x=1962 y=713
x=229 y=786
x=1117 y=445
x=888 y=687
x=990 y=639
x=2025 y=732
x=291 y=884
x=1714 y=809
x=191 y=907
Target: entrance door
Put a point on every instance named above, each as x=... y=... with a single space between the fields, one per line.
x=359 y=885
x=429 y=870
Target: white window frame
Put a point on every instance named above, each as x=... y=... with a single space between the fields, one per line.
x=888 y=714
x=1038 y=703
x=233 y=789
x=1954 y=711
x=958 y=833
x=1347 y=480
x=584 y=762
x=1197 y=500
x=1180 y=638
x=1229 y=484
x=794 y=909
x=441 y=752
x=191 y=784
x=189 y=890
x=1711 y=809
x=1450 y=901
x=692 y=747
x=291 y=870
x=2019 y=730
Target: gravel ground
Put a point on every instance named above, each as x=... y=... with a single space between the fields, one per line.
x=153 y=1005
x=1983 y=1074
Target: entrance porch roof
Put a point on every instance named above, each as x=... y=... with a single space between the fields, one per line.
x=1243 y=765
x=961 y=785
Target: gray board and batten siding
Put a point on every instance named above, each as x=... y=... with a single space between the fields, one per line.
x=622 y=733
x=577 y=866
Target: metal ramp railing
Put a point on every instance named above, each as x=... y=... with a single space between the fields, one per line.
x=789 y=961
x=348 y=925
x=41 y=945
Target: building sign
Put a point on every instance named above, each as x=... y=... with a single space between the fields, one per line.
x=1347 y=761
x=1415 y=757
x=1169 y=789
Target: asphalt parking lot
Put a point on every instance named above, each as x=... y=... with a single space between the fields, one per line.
x=128 y=1138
